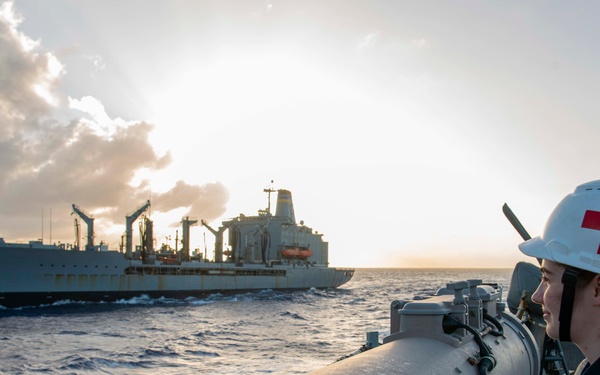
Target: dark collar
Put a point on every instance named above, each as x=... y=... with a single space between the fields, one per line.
x=593 y=369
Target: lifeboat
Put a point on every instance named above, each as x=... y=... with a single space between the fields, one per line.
x=297 y=253
x=291 y=253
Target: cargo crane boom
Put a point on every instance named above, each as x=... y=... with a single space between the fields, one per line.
x=89 y=221
x=218 y=240
x=187 y=223
x=129 y=219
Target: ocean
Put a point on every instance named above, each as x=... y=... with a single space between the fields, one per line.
x=266 y=332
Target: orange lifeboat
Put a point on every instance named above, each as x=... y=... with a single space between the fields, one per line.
x=297 y=253
x=290 y=253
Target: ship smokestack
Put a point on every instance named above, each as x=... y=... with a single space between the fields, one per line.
x=285 y=206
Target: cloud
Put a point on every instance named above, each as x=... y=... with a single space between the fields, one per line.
x=24 y=75
x=91 y=160
x=419 y=43
x=97 y=61
x=100 y=120
x=368 y=40
x=207 y=199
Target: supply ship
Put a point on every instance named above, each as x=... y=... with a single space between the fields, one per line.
x=264 y=252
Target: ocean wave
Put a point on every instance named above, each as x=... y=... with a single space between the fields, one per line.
x=143 y=299
x=63 y=302
x=97 y=364
x=207 y=333
x=292 y=315
x=356 y=301
x=195 y=301
x=74 y=333
x=202 y=353
x=164 y=352
x=111 y=334
x=326 y=293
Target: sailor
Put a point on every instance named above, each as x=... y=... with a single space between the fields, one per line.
x=569 y=292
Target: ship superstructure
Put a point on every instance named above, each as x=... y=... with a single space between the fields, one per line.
x=271 y=239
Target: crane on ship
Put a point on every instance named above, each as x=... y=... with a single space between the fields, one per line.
x=129 y=219
x=187 y=223
x=89 y=221
x=218 y=239
x=77 y=234
x=146 y=236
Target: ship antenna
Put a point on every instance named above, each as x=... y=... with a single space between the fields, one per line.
x=269 y=191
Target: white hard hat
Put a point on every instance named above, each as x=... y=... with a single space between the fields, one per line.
x=572 y=233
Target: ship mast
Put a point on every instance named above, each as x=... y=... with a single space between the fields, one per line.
x=269 y=190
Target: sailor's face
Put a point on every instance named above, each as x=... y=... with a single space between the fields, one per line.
x=549 y=294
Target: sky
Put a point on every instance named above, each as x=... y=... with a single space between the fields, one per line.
x=400 y=127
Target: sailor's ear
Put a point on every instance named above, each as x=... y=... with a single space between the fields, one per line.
x=596 y=286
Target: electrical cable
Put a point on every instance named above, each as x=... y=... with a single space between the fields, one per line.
x=487 y=361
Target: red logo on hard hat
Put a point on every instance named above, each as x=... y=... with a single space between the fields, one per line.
x=591 y=220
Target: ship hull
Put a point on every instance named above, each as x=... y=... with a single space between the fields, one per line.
x=31 y=277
